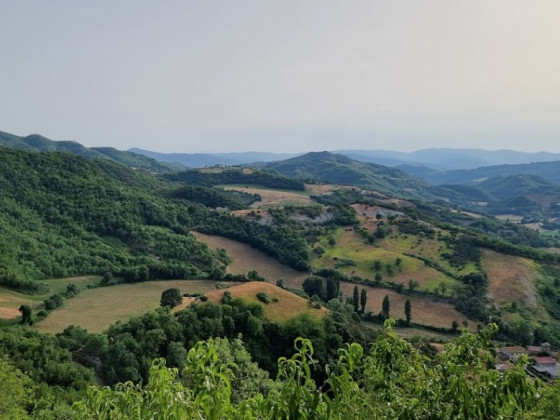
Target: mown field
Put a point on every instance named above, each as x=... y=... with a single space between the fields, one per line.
x=10 y=300
x=284 y=305
x=96 y=309
x=245 y=258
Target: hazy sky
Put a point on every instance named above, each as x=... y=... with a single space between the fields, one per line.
x=283 y=76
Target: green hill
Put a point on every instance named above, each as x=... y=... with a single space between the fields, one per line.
x=339 y=169
x=39 y=143
x=63 y=215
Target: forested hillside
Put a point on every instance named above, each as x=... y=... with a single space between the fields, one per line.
x=63 y=215
x=39 y=143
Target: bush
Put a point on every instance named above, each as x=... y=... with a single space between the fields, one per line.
x=263 y=297
x=171 y=298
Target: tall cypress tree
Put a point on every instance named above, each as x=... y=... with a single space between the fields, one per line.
x=386 y=307
x=407 y=311
x=363 y=300
x=356 y=299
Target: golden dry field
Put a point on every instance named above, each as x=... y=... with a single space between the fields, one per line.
x=287 y=306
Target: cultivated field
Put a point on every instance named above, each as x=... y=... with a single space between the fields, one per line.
x=97 y=309
x=287 y=306
x=245 y=258
x=423 y=311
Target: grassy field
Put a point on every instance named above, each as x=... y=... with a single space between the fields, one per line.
x=10 y=300
x=350 y=246
x=245 y=258
x=284 y=305
x=96 y=309
x=274 y=198
x=510 y=279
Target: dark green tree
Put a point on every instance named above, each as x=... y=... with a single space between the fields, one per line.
x=71 y=290
x=385 y=307
x=363 y=300
x=407 y=311
x=356 y=299
x=454 y=326
x=26 y=314
x=314 y=286
x=171 y=297
x=331 y=290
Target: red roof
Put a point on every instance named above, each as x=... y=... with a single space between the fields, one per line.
x=545 y=360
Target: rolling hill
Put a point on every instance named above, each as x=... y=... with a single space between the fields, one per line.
x=339 y=169
x=39 y=143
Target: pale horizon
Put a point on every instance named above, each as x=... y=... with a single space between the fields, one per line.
x=283 y=77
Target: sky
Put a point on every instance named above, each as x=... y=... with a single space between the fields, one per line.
x=283 y=76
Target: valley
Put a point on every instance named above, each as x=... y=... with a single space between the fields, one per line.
x=338 y=252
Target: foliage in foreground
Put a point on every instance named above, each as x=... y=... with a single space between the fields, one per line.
x=393 y=380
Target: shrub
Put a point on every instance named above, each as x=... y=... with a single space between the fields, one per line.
x=263 y=297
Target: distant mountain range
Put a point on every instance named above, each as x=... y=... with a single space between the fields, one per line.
x=200 y=160
x=439 y=159
x=549 y=171
x=449 y=159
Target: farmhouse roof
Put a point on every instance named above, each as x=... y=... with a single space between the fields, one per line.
x=513 y=350
x=545 y=360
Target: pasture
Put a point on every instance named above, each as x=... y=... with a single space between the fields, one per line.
x=350 y=246
x=273 y=198
x=96 y=309
x=11 y=300
x=510 y=279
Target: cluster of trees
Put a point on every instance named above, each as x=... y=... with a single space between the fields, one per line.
x=125 y=351
x=282 y=242
x=237 y=175
x=392 y=380
x=215 y=197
